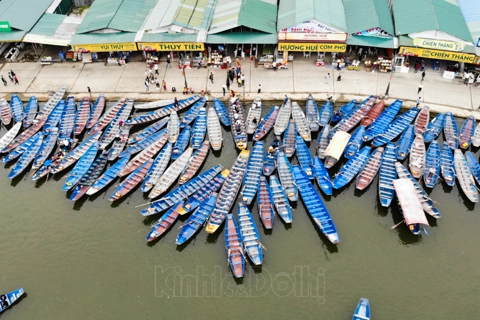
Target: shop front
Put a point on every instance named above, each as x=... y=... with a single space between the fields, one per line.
x=152 y=51
x=88 y=52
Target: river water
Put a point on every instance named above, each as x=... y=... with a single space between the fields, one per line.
x=90 y=260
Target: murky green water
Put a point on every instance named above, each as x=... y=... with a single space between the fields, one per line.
x=89 y=260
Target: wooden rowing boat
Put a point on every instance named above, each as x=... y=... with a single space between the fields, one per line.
x=362 y=312
x=92 y=174
x=270 y=159
x=112 y=130
x=27 y=156
x=81 y=118
x=369 y=172
x=154 y=104
x=387 y=174
x=16 y=105
x=432 y=165
x=199 y=129
x=315 y=206
x=55 y=160
x=304 y=157
x=52 y=102
x=322 y=176
x=450 y=130
x=6 y=112
x=313 y=117
x=131 y=181
x=96 y=111
x=264 y=203
x=181 y=143
x=466 y=132
x=214 y=130
x=254 y=115
x=446 y=165
x=164 y=223
x=171 y=174
x=265 y=124
x=373 y=114
x=346 y=124
x=222 y=112
x=102 y=181
x=46 y=148
x=67 y=119
x=395 y=128
x=404 y=144
x=464 y=176
x=107 y=117
x=173 y=127
x=158 y=168
x=285 y=173
x=416 y=162
x=422 y=120
x=280 y=200
x=355 y=142
x=326 y=112
x=473 y=165
x=54 y=117
x=239 y=131
x=119 y=143
x=194 y=163
x=8 y=299
x=234 y=247
x=9 y=136
x=148 y=131
x=434 y=128
x=145 y=143
x=81 y=167
x=344 y=112
x=476 y=136
x=301 y=123
x=335 y=148
x=21 y=149
x=249 y=235
x=323 y=141
x=350 y=169
x=253 y=172
x=290 y=139
x=192 y=113
x=31 y=110
x=228 y=192
x=283 y=118
x=75 y=154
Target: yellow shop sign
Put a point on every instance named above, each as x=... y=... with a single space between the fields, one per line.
x=439 y=44
x=437 y=54
x=106 y=47
x=174 y=46
x=312 y=47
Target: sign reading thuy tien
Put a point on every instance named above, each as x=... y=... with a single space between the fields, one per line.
x=173 y=46
x=312 y=47
x=5 y=26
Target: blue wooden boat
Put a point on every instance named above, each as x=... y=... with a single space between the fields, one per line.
x=234 y=247
x=265 y=124
x=323 y=140
x=450 y=130
x=344 y=112
x=67 y=119
x=355 y=142
x=312 y=114
x=290 y=139
x=81 y=167
x=204 y=192
x=434 y=128
x=164 y=223
x=222 y=112
x=182 y=143
x=427 y=203
x=8 y=299
x=96 y=111
x=173 y=127
x=16 y=105
x=446 y=165
x=315 y=206
x=196 y=220
x=249 y=235
x=473 y=165
x=326 y=113
x=365 y=178
x=383 y=121
x=322 y=176
x=158 y=168
x=46 y=148
x=192 y=112
x=464 y=176
x=432 y=165
x=162 y=112
x=27 y=156
x=239 y=130
x=113 y=129
x=387 y=174
x=253 y=172
x=119 y=143
x=31 y=110
x=270 y=160
x=18 y=151
x=264 y=204
x=143 y=144
x=228 y=193
x=54 y=117
x=81 y=118
x=362 y=312
x=131 y=181
x=285 y=173
x=106 y=178
x=194 y=163
x=199 y=129
x=466 y=132
x=182 y=192
x=405 y=142
x=305 y=158
x=280 y=200
x=350 y=169
x=395 y=128
x=148 y=131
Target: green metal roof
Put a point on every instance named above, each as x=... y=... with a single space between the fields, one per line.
x=371 y=42
x=99 y=38
x=167 y=37
x=48 y=24
x=242 y=37
x=328 y=12
x=22 y=14
x=259 y=15
x=123 y=15
x=13 y=36
x=412 y=16
x=367 y=14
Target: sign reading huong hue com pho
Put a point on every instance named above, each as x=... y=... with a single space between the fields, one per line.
x=312 y=47
x=438 y=44
x=5 y=26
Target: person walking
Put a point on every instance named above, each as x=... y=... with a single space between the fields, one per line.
x=418 y=101
x=423 y=75
x=420 y=87
x=239 y=81
x=89 y=92
x=155 y=67
x=259 y=88
x=327 y=78
x=157 y=84
x=15 y=79
x=224 y=90
x=147 y=85
x=211 y=77
x=243 y=80
x=10 y=76
x=228 y=84
x=146 y=74
x=175 y=102
x=168 y=61
x=164 y=85
x=4 y=81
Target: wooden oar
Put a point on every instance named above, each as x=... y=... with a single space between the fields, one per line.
x=393 y=227
x=425 y=230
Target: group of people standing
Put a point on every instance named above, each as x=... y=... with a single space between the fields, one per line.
x=13 y=78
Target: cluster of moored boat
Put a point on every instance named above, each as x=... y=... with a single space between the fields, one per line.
x=173 y=149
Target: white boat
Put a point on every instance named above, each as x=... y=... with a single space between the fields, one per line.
x=476 y=136
x=465 y=177
x=214 y=130
x=411 y=207
x=10 y=135
x=335 y=148
x=154 y=104
x=283 y=118
x=52 y=102
x=254 y=113
x=173 y=127
x=303 y=128
x=416 y=162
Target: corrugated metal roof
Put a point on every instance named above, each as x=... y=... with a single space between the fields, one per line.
x=15 y=12
x=471 y=13
x=260 y=15
x=328 y=12
x=371 y=42
x=13 y=36
x=412 y=16
x=54 y=29
x=48 y=24
x=99 y=15
x=242 y=37
x=100 y=38
x=367 y=14
x=167 y=37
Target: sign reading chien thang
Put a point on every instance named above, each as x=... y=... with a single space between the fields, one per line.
x=438 y=44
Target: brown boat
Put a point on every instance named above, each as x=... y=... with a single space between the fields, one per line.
x=371 y=169
x=265 y=208
x=25 y=135
x=373 y=114
x=422 y=120
x=466 y=132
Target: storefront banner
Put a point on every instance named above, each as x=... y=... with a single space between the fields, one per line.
x=312 y=37
x=438 y=44
x=173 y=46
x=437 y=54
x=106 y=47
x=5 y=26
x=312 y=47
x=374 y=32
x=310 y=26
x=33 y=38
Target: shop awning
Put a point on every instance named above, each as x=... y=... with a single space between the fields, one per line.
x=13 y=36
x=372 y=42
x=242 y=37
x=54 y=29
x=105 y=42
